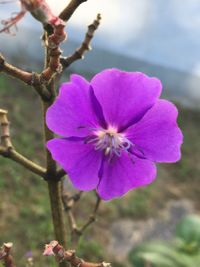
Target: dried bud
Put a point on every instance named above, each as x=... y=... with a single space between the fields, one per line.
x=7 y=246
x=48 y=251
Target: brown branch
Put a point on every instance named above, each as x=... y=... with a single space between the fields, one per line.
x=92 y=217
x=32 y=79
x=54 y=248
x=85 y=46
x=69 y=10
x=36 y=80
x=72 y=223
x=55 y=29
x=24 y=76
x=41 y=11
x=5 y=130
x=5 y=255
x=23 y=161
x=54 y=65
x=53 y=42
x=7 y=150
x=68 y=203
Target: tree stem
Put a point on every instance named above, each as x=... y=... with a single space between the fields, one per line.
x=54 y=185
x=57 y=211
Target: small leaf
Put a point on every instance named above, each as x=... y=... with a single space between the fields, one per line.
x=188 y=230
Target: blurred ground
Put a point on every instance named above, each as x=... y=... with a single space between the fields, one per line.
x=24 y=206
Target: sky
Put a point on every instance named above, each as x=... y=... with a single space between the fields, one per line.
x=163 y=32
x=130 y=20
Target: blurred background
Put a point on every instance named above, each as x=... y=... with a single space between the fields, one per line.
x=160 y=38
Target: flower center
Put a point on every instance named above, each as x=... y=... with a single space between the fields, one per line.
x=111 y=142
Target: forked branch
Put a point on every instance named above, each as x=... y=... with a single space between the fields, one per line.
x=7 y=149
x=29 y=78
x=92 y=217
x=85 y=46
x=68 y=203
x=43 y=13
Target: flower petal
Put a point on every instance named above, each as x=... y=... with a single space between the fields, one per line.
x=72 y=113
x=125 y=96
x=123 y=174
x=79 y=160
x=157 y=133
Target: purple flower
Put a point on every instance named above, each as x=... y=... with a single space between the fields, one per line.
x=114 y=130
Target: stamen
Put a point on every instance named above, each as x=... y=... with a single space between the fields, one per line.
x=113 y=143
x=109 y=141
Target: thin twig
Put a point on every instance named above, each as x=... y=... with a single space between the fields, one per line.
x=20 y=159
x=15 y=72
x=55 y=249
x=72 y=222
x=70 y=8
x=92 y=217
x=68 y=203
x=7 y=150
x=85 y=46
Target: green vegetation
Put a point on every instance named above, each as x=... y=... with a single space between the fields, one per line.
x=24 y=207
x=90 y=249
x=183 y=251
